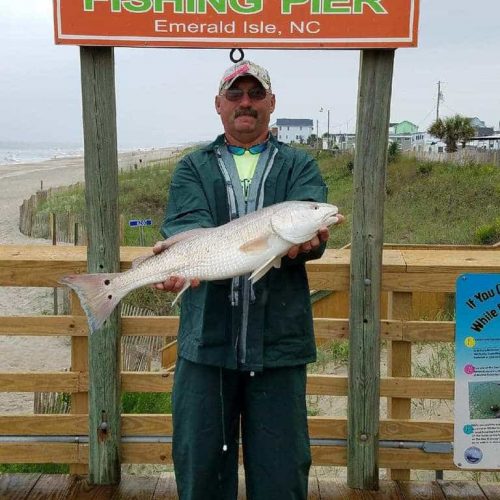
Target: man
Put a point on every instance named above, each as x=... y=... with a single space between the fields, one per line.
x=243 y=350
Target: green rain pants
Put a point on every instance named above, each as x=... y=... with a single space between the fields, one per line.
x=207 y=405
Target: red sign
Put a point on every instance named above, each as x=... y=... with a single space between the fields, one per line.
x=297 y=24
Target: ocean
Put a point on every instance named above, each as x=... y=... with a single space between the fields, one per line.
x=12 y=152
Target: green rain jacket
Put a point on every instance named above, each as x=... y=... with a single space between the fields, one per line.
x=232 y=325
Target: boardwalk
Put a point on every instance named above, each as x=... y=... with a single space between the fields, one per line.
x=66 y=487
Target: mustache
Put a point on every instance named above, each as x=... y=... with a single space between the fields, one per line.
x=245 y=112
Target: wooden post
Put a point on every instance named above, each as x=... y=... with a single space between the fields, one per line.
x=375 y=84
x=399 y=365
x=79 y=364
x=101 y=193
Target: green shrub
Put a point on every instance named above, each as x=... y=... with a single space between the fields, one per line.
x=488 y=234
x=34 y=468
x=146 y=402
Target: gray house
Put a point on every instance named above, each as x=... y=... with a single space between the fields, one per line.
x=293 y=129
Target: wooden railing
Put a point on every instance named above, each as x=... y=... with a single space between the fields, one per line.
x=406 y=272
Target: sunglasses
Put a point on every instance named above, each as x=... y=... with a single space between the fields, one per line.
x=255 y=94
x=240 y=151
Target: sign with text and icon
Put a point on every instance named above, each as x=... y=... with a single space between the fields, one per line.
x=140 y=222
x=298 y=24
x=477 y=372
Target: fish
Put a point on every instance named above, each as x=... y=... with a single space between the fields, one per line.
x=253 y=243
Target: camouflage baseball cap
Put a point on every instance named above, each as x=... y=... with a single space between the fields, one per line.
x=244 y=68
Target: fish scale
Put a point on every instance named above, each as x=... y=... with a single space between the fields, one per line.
x=253 y=244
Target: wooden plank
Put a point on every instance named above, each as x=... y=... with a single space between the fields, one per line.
x=147 y=382
x=43 y=325
x=331 y=385
x=79 y=363
x=459 y=260
x=166 y=326
x=17 y=486
x=420 y=490
x=146 y=425
x=161 y=425
x=160 y=453
x=460 y=490
x=43 y=425
x=146 y=453
x=43 y=382
x=83 y=490
x=166 y=488
x=76 y=325
x=399 y=365
x=169 y=355
x=41 y=453
x=391 y=458
x=419 y=388
x=54 y=486
x=42 y=265
x=313 y=488
x=491 y=490
x=429 y=331
x=136 y=488
x=335 y=489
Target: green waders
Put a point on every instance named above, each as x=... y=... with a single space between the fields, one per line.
x=207 y=404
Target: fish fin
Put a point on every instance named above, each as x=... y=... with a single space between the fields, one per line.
x=191 y=233
x=187 y=284
x=256 y=245
x=258 y=273
x=97 y=295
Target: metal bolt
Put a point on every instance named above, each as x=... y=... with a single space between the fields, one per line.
x=103 y=426
x=363 y=437
x=368 y=281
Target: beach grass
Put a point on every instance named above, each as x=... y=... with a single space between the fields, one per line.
x=426 y=203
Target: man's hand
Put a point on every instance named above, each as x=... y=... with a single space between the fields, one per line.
x=322 y=235
x=174 y=283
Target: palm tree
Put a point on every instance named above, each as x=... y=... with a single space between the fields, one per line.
x=451 y=130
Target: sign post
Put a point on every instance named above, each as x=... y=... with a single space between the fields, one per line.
x=141 y=223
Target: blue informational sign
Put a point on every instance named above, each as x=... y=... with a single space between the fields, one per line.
x=140 y=222
x=477 y=372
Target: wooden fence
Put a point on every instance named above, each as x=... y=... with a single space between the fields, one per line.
x=63 y=228
x=406 y=271
x=460 y=157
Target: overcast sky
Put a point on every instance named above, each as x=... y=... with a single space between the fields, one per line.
x=165 y=96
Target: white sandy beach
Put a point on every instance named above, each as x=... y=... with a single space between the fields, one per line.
x=17 y=183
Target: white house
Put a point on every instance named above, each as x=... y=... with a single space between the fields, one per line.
x=293 y=129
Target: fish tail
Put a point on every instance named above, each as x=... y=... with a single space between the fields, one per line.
x=98 y=297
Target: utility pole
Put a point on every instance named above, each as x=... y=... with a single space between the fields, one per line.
x=317 y=135
x=328 y=131
x=439 y=99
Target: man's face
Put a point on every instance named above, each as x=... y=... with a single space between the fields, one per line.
x=245 y=120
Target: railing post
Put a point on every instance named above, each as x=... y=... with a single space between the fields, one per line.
x=103 y=256
x=79 y=364
x=375 y=85
x=399 y=365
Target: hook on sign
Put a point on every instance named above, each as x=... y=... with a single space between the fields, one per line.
x=234 y=58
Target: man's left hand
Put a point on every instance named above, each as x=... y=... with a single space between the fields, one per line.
x=322 y=235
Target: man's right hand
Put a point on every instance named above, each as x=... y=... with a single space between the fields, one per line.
x=173 y=283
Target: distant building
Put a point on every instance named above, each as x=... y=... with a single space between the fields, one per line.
x=401 y=128
x=293 y=129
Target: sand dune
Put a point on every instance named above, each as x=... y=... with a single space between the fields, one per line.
x=19 y=182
